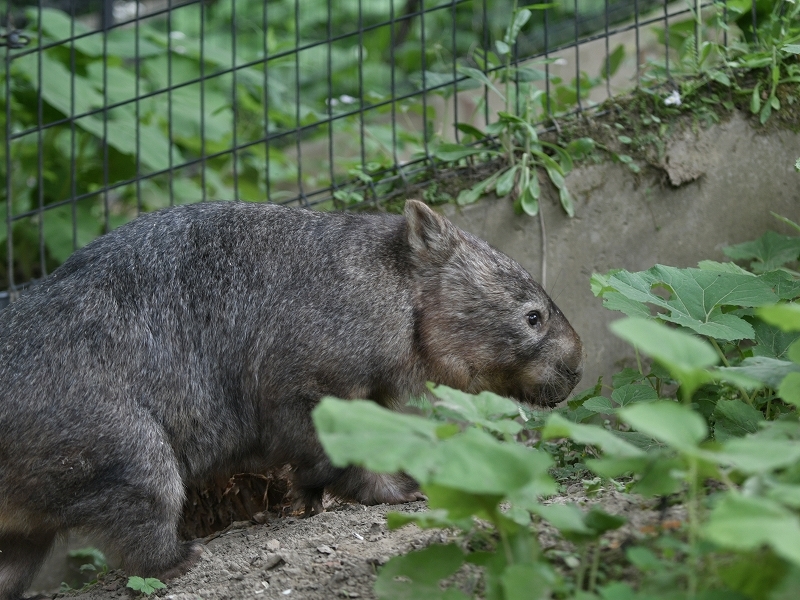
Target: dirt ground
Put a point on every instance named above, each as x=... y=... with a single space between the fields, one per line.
x=336 y=554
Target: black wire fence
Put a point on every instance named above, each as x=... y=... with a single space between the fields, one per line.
x=110 y=108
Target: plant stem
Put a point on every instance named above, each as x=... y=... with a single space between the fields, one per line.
x=691 y=506
x=720 y=352
x=595 y=567
x=582 y=572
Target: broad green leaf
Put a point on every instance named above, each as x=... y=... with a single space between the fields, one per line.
x=753 y=456
x=682 y=354
x=770 y=251
x=633 y=393
x=755 y=99
x=362 y=433
x=461 y=506
x=485 y=409
x=526 y=582
x=567 y=518
x=676 y=425
x=771 y=341
x=785 y=286
x=469 y=462
x=769 y=371
x=625 y=377
x=747 y=523
x=784 y=316
x=417 y=574
x=789 y=390
x=600 y=404
x=734 y=418
x=728 y=267
x=785 y=493
x=696 y=297
x=600 y=521
x=559 y=427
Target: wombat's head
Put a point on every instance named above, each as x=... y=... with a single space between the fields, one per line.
x=483 y=323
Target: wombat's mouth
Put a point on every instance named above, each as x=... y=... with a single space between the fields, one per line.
x=552 y=391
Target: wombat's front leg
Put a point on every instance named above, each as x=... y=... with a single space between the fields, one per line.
x=20 y=558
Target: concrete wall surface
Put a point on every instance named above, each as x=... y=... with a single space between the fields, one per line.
x=736 y=175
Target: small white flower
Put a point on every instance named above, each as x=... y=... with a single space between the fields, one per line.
x=177 y=35
x=674 y=99
x=347 y=99
x=560 y=62
x=331 y=101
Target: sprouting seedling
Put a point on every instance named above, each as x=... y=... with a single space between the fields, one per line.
x=145 y=585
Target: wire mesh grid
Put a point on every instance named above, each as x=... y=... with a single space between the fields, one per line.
x=114 y=108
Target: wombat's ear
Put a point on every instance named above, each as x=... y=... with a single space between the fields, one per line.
x=429 y=234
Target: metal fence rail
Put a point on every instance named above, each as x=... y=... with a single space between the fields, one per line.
x=111 y=109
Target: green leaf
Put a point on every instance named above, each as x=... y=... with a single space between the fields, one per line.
x=782 y=283
x=479 y=75
x=417 y=574
x=454 y=152
x=784 y=316
x=566 y=201
x=771 y=341
x=755 y=455
x=469 y=462
x=791 y=48
x=526 y=582
x=599 y=404
x=362 y=433
x=656 y=474
x=146 y=585
x=676 y=425
x=755 y=99
x=431 y=519
x=682 y=354
x=747 y=523
x=633 y=393
x=485 y=409
x=696 y=297
x=567 y=518
x=769 y=371
x=505 y=183
x=789 y=390
x=581 y=147
x=559 y=427
x=517 y=24
x=734 y=418
x=770 y=251
x=611 y=66
x=502 y=47
x=624 y=139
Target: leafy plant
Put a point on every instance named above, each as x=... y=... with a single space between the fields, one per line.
x=93 y=565
x=522 y=151
x=146 y=585
x=711 y=424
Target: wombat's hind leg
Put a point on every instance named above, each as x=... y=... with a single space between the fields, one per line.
x=20 y=558
x=375 y=488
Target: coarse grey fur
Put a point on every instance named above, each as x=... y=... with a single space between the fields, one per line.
x=195 y=342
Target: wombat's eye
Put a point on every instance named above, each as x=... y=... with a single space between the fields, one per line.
x=534 y=317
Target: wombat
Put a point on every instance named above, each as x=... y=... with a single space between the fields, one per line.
x=196 y=341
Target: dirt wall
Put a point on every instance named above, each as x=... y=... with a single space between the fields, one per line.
x=733 y=175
